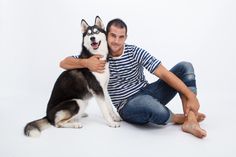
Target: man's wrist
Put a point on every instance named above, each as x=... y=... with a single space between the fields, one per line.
x=84 y=63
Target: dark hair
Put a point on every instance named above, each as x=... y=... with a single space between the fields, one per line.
x=118 y=23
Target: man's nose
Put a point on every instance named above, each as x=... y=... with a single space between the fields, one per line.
x=116 y=40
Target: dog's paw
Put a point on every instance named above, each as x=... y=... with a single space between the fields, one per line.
x=78 y=125
x=116 y=118
x=114 y=124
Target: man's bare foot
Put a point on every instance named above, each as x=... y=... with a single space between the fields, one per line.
x=191 y=126
x=180 y=118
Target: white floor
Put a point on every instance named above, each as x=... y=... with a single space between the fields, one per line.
x=97 y=139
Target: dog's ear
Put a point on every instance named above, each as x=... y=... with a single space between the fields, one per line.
x=99 y=23
x=84 y=26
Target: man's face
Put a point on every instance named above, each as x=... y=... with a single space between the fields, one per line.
x=116 y=39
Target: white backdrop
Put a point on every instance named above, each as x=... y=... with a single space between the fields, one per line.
x=36 y=34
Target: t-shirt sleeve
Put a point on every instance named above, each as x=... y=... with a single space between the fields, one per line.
x=146 y=59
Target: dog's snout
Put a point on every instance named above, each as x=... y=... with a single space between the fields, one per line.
x=92 y=38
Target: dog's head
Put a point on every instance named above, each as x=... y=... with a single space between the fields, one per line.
x=94 y=37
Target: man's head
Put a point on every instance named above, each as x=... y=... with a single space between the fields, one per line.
x=116 y=36
x=117 y=23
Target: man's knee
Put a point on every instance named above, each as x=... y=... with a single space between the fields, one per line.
x=187 y=71
x=187 y=66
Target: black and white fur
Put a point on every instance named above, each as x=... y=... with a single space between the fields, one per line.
x=74 y=88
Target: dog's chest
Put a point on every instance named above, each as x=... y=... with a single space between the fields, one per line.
x=103 y=77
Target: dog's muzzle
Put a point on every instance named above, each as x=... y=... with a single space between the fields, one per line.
x=95 y=45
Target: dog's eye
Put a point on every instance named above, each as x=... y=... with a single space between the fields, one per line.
x=89 y=32
x=95 y=31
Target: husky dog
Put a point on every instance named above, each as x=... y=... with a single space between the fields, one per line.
x=74 y=88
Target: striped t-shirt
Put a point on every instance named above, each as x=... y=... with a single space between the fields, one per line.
x=127 y=75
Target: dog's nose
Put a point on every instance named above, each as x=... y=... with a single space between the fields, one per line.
x=92 y=38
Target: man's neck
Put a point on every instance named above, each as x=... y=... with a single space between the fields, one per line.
x=118 y=53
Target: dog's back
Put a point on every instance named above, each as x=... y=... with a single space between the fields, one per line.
x=71 y=86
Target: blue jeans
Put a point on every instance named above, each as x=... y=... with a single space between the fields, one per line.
x=148 y=105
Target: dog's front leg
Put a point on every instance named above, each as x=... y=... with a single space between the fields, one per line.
x=113 y=114
x=105 y=111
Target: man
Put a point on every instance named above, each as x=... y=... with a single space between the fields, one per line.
x=136 y=100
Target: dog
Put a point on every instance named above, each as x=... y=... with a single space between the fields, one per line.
x=73 y=88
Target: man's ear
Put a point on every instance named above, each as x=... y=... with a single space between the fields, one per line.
x=99 y=23
x=84 y=26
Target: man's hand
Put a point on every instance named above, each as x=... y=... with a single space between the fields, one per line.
x=95 y=63
x=192 y=104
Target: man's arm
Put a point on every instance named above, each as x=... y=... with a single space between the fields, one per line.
x=72 y=63
x=93 y=63
x=173 y=81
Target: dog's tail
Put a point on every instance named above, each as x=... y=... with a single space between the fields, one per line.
x=34 y=128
